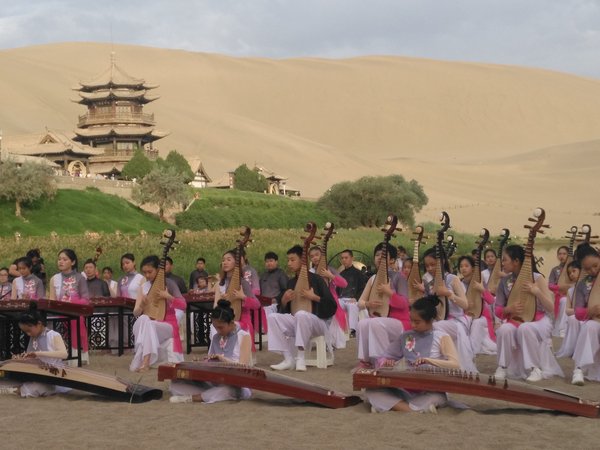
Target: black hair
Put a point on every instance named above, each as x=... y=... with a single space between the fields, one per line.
x=4 y=268
x=89 y=261
x=584 y=250
x=223 y=311
x=222 y=274
x=151 y=260
x=200 y=259
x=574 y=264
x=33 y=253
x=347 y=251
x=107 y=268
x=391 y=250
x=169 y=260
x=271 y=255
x=515 y=252
x=25 y=260
x=562 y=247
x=128 y=256
x=314 y=247
x=490 y=250
x=295 y=250
x=431 y=252
x=71 y=255
x=31 y=317
x=467 y=258
x=425 y=307
x=401 y=249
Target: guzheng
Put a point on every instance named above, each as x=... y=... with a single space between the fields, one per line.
x=254 y=378
x=34 y=370
x=199 y=297
x=52 y=306
x=125 y=302
x=479 y=385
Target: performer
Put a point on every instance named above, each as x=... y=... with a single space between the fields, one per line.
x=375 y=333
x=422 y=346
x=490 y=257
x=351 y=293
x=96 y=286
x=482 y=335
x=70 y=286
x=332 y=278
x=232 y=346
x=44 y=344
x=561 y=254
x=587 y=348
x=291 y=334
x=249 y=301
x=560 y=298
x=528 y=345
x=458 y=324
x=5 y=285
x=27 y=286
x=573 y=323
x=273 y=281
x=129 y=283
x=107 y=276
x=156 y=341
x=198 y=272
x=250 y=274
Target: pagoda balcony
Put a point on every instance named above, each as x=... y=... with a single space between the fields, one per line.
x=115 y=118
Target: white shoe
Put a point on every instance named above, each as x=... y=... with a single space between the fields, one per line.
x=8 y=390
x=500 y=373
x=181 y=399
x=431 y=410
x=535 y=375
x=373 y=410
x=301 y=365
x=577 y=379
x=286 y=364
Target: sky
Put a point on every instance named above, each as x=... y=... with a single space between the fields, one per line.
x=560 y=35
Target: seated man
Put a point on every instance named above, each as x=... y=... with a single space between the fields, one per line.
x=291 y=334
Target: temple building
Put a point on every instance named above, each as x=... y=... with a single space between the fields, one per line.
x=115 y=121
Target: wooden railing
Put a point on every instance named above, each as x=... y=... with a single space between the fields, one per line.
x=116 y=118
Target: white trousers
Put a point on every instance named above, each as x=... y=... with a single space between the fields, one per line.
x=527 y=346
x=351 y=307
x=586 y=349
x=560 y=322
x=374 y=336
x=458 y=330
x=153 y=338
x=210 y=392
x=571 y=334
x=480 y=338
x=287 y=333
x=385 y=399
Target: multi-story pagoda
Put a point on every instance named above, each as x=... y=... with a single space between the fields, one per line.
x=115 y=120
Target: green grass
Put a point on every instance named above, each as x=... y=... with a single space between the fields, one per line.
x=73 y=212
x=218 y=209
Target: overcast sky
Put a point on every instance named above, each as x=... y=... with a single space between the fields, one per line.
x=555 y=34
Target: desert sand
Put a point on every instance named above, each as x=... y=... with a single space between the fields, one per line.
x=488 y=142
x=78 y=420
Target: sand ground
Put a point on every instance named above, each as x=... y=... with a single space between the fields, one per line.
x=79 y=420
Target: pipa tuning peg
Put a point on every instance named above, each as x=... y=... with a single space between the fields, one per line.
x=527 y=226
x=541 y=232
x=546 y=225
x=531 y=219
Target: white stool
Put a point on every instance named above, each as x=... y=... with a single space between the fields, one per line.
x=322 y=357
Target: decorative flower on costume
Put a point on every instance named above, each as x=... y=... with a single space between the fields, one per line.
x=410 y=343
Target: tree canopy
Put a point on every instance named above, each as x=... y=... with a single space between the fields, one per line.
x=25 y=183
x=178 y=162
x=246 y=179
x=138 y=166
x=368 y=201
x=164 y=188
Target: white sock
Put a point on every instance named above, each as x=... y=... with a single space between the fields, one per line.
x=300 y=355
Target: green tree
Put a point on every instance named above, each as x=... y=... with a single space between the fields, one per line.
x=246 y=179
x=178 y=162
x=368 y=201
x=164 y=188
x=25 y=183
x=138 y=166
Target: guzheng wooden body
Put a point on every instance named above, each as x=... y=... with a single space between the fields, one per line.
x=116 y=302
x=517 y=293
x=495 y=275
x=300 y=302
x=381 y=277
x=474 y=296
x=414 y=276
x=156 y=306
x=202 y=297
x=479 y=385
x=51 y=306
x=254 y=378
x=563 y=279
x=34 y=370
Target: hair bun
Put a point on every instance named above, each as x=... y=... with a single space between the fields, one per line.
x=33 y=307
x=223 y=303
x=434 y=299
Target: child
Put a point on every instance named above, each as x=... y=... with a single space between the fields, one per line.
x=231 y=344
x=421 y=346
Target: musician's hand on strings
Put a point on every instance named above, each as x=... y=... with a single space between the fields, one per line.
x=420 y=361
x=237 y=294
x=516 y=309
x=287 y=297
x=385 y=289
x=531 y=287
x=593 y=312
x=310 y=295
x=388 y=363
x=164 y=294
x=375 y=302
x=478 y=286
x=326 y=273
x=443 y=291
x=419 y=286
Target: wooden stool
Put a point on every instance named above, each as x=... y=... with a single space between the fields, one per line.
x=322 y=358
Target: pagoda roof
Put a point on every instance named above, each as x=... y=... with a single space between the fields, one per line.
x=20 y=159
x=47 y=143
x=116 y=94
x=120 y=131
x=114 y=76
x=269 y=175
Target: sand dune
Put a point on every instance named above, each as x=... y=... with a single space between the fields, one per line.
x=484 y=140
